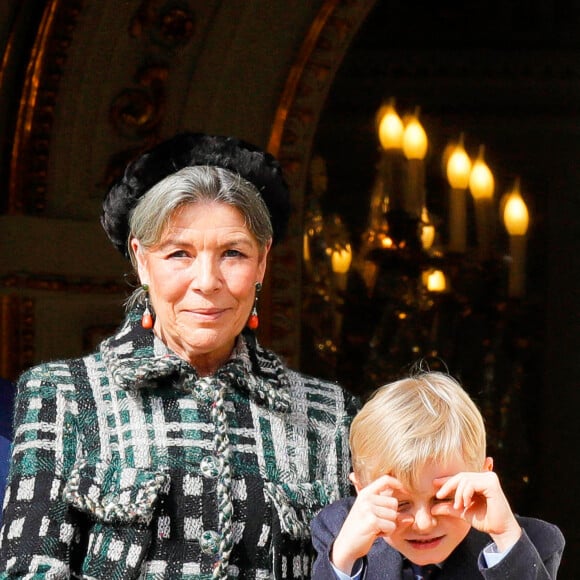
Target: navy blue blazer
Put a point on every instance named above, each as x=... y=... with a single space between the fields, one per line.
x=536 y=556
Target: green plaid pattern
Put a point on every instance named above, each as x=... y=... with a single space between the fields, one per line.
x=126 y=464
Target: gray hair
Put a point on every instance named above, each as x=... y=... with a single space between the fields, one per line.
x=190 y=185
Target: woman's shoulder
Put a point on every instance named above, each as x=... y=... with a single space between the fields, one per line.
x=323 y=386
x=57 y=373
x=325 y=396
x=270 y=362
x=314 y=382
x=319 y=385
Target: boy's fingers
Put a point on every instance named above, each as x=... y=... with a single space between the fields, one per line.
x=447 y=486
x=384 y=485
x=454 y=485
x=404 y=519
x=446 y=509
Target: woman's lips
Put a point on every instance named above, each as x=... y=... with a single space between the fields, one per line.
x=208 y=314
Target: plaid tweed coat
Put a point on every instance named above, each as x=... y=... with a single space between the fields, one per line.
x=127 y=464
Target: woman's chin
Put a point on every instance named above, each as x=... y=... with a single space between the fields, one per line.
x=204 y=341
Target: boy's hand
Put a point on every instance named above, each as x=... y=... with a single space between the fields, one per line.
x=374 y=514
x=479 y=499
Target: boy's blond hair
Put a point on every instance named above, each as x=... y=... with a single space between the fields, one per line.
x=414 y=421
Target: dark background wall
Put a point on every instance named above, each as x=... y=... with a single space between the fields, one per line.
x=508 y=80
x=85 y=85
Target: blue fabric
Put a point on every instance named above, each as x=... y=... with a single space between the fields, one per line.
x=7 y=392
x=5 y=445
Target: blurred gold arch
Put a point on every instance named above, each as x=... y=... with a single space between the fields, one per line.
x=293 y=130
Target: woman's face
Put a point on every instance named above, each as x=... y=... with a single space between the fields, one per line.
x=202 y=278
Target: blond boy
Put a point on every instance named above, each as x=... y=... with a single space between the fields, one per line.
x=427 y=495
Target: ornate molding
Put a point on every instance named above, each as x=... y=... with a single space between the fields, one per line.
x=29 y=159
x=301 y=103
x=137 y=112
x=165 y=24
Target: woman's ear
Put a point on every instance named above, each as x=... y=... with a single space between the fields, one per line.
x=139 y=258
x=263 y=263
x=488 y=464
x=355 y=481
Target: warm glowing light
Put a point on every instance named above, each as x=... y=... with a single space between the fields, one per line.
x=427 y=230
x=515 y=214
x=390 y=128
x=427 y=236
x=481 y=182
x=414 y=139
x=341 y=259
x=387 y=242
x=459 y=167
x=306 y=248
x=436 y=281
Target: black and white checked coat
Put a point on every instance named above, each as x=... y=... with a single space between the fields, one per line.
x=126 y=465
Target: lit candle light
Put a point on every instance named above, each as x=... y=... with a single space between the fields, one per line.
x=427 y=236
x=341 y=259
x=415 y=148
x=427 y=230
x=481 y=185
x=390 y=130
x=516 y=220
x=458 y=172
x=435 y=281
x=390 y=127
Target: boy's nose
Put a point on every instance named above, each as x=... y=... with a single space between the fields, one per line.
x=424 y=519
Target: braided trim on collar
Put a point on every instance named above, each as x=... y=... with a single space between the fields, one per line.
x=137 y=360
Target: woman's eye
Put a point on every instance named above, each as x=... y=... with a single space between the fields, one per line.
x=178 y=254
x=403 y=506
x=232 y=253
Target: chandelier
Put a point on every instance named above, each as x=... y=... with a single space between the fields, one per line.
x=437 y=276
x=399 y=216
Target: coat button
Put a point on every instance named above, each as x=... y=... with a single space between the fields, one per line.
x=209 y=542
x=204 y=392
x=209 y=466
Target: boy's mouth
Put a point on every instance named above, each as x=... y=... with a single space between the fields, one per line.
x=426 y=543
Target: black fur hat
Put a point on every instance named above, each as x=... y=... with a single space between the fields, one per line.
x=189 y=149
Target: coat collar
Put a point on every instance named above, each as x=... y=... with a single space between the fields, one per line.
x=137 y=359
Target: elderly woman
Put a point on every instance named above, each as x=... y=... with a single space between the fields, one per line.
x=181 y=448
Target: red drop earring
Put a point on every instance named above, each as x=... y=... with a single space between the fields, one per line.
x=254 y=320
x=146 y=318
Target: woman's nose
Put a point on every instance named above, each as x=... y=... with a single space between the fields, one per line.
x=206 y=274
x=424 y=519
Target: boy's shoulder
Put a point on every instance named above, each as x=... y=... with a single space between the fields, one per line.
x=332 y=516
x=539 y=538
x=538 y=531
x=542 y=533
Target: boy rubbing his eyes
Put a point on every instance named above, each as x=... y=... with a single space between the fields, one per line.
x=427 y=494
